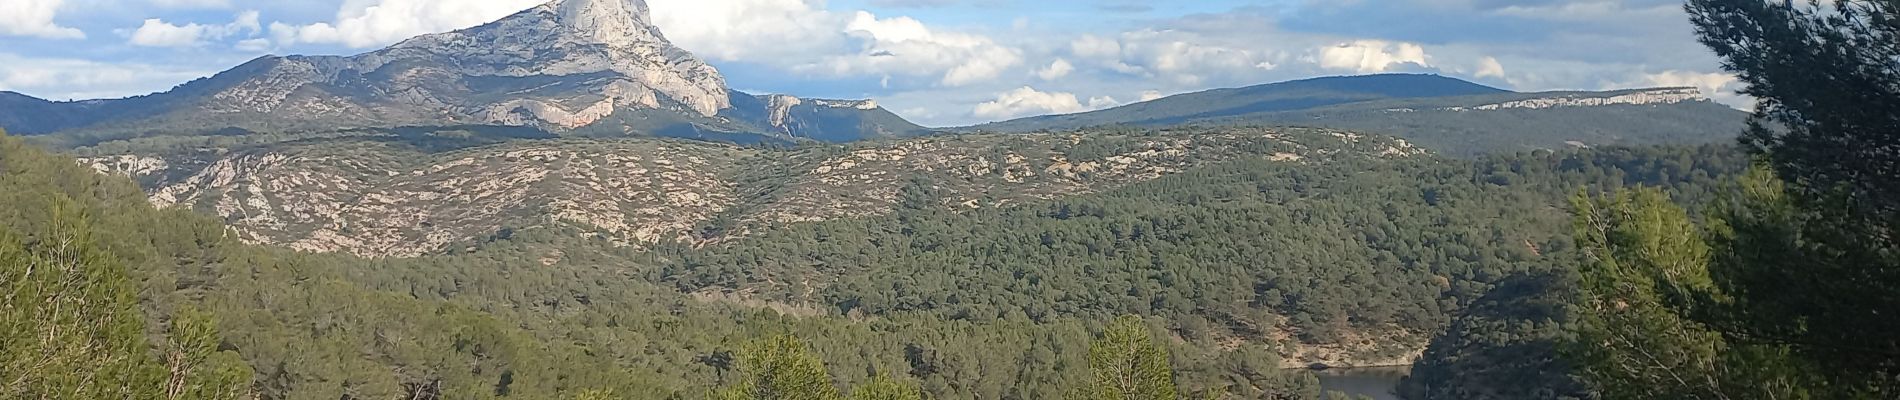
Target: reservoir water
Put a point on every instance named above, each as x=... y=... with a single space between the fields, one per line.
x=1378 y=383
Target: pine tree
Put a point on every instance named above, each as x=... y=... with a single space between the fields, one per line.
x=1810 y=257
x=69 y=324
x=196 y=368
x=779 y=368
x=1645 y=275
x=883 y=387
x=1129 y=364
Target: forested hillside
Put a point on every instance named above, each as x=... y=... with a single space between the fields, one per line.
x=1339 y=260
x=1350 y=262
x=501 y=323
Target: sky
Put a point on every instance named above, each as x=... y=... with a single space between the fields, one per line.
x=936 y=62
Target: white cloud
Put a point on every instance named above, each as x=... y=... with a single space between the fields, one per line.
x=1091 y=46
x=1183 y=58
x=1026 y=101
x=34 y=18
x=1706 y=81
x=367 y=23
x=1101 y=102
x=905 y=46
x=1490 y=67
x=749 y=30
x=1372 y=56
x=1721 y=87
x=1151 y=95
x=157 y=33
x=1056 y=70
x=193 y=3
x=258 y=45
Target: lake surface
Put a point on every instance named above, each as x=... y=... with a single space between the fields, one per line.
x=1379 y=383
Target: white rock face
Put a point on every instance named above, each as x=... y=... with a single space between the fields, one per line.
x=571 y=37
x=126 y=164
x=780 y=108
x=1647 y=97
x=852 y=104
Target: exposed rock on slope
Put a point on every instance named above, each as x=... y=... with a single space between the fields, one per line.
x=384 y=198
x=1650 y=97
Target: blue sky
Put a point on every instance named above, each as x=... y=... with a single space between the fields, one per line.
x=939 y=62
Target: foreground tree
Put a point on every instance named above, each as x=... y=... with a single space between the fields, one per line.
x=1129 y=364
x=780 y=368
x=784 y=368
x=70 y=327
x=1645 y=262
x=1813 y=263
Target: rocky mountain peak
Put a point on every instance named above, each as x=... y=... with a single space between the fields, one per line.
x=619 y=22
x=562 y=66
x=568 y=38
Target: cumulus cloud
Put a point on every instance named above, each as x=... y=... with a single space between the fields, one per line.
x=1092 y=46
x=1151 y=95
x=1027 y=101
x=1721 y=87
x=748 y=30
x=158 y=33
x=1183 y=58
x=1056 y=70
x=363 y=24
x=1489 y=67
x=905 y=46
x=34 y=18
x=1372 y=56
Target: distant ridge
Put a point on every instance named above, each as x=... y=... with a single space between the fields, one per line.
x=1273 y=97
x=1442 y=113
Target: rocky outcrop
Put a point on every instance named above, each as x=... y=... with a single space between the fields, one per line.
x=1645 y=97
x=568 y=38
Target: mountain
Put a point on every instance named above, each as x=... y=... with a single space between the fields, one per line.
x=592 y=67
x=1445 y=114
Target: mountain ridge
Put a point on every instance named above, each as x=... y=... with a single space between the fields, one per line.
x=1446 y=114
x=563 y=66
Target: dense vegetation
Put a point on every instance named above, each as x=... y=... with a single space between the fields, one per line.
x=1372 y=252
x=1505 y=346
x=499 y=323
x=953 y=306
